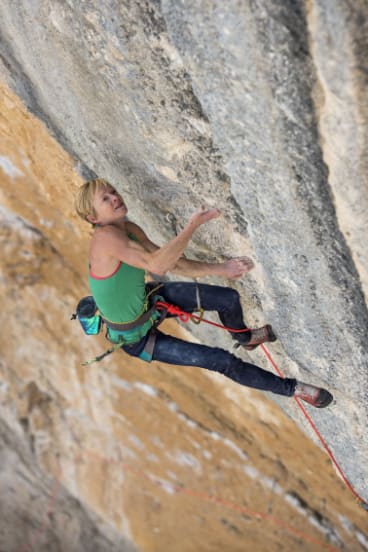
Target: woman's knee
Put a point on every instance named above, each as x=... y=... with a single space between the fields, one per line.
x=231 y=297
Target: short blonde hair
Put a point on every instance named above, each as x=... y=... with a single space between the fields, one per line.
x=85 y=196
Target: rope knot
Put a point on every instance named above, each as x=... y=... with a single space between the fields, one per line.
x=174 y=310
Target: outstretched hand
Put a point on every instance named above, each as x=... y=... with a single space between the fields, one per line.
x=235 y=268
x=231 y=269
x=203 y=214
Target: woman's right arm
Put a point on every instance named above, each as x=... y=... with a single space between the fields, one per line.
x=114 y=242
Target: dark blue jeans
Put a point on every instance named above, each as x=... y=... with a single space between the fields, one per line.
x=225 y=301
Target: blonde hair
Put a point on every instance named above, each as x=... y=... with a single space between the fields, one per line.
x=85 y=196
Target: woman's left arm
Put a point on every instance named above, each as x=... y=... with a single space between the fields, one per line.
x=231 y=269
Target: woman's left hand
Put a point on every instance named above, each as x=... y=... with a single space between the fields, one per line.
x=235 y=268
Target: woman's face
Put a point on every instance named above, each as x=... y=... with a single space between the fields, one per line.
x=108 y=205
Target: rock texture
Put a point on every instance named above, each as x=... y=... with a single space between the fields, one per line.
x=37 y=513
x=256 y=107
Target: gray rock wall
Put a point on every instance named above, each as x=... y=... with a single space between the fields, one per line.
x=267 y=75
x=258 y=107
x=37 y=513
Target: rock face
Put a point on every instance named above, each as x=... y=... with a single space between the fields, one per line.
x=258 y=108
x=46 y=515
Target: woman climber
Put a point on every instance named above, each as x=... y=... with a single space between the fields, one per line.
x=120 y=253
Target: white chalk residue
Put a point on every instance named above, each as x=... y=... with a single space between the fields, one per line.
x=9 y=168
x=157 y=441
x=347 y=525
x=363 y=540
x=127 y=386
x=185 y=459
x=152 y=458
x=128 y=453
x=235 y=448
x=148 y=389
x=120 y=383
x=166 y=486
x=136 y=441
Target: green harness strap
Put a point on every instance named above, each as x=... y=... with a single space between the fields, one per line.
x=103 y=355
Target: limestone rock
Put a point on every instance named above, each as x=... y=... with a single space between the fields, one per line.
x=259 y=108
x=46 y=515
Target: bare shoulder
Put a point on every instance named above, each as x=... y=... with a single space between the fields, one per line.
x=108 y=237
x=134 y=229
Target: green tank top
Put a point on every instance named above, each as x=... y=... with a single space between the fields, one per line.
x=120 y=297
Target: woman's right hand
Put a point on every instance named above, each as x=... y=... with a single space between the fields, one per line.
x=202 y=215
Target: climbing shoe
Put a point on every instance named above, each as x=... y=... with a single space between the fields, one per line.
x=316 y=396
x=258 y=336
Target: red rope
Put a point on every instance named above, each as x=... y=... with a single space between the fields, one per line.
x=363 y=503
x=214 y=499
x=186 y=316
x=177 y=488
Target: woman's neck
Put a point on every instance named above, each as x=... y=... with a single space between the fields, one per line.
x=121 y=224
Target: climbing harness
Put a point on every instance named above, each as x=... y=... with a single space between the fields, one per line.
x=147 y=322
x=126 y=333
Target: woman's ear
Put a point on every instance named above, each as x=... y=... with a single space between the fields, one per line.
x=91 y=219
